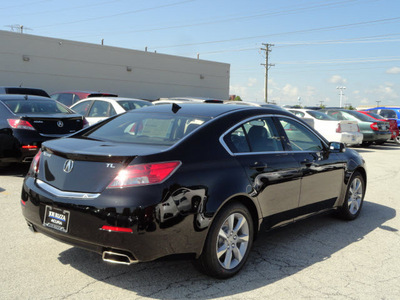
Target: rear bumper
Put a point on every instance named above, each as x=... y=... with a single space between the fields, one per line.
x=148 y=240
x=376 y=136
x=351 y=138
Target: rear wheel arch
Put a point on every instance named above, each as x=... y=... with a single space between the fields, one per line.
x=232 y=249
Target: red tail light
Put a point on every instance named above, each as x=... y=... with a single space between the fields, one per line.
x=29 y=147
x=374 y=126
x=338 y=129
x=20 y=124
x=137 y=175
x=85 y=123
x=117 y=229
x=34 y=169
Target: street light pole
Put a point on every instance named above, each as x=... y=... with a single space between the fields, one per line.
x=341 y=88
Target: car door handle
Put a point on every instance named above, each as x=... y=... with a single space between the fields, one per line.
x=259 y=165
x=307 y=163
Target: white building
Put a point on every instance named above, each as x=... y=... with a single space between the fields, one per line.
x=56 y=65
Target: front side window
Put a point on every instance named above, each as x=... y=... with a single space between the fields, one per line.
x=99 y=109
x=82 y=108
x=258 y=135
x=299 y=137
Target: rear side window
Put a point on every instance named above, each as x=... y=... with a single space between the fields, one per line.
x=153 y=128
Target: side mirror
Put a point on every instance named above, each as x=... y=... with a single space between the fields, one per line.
x=336 y=147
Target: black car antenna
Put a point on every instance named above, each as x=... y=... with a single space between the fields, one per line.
x=175 y=108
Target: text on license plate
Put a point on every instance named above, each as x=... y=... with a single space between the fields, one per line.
x=56 y=218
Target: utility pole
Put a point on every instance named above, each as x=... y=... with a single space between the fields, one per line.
x=267 y=65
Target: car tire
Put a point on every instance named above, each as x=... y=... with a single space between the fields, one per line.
x=228 y=242
x=397 y=139
x=366 y=144
x=354 y=198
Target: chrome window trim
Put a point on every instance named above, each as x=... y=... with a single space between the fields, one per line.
x=221 y=138
x=58 y=193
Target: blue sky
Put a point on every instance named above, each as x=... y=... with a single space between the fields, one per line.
x=318 y=45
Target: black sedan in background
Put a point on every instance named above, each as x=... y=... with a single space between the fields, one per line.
x=188 y=178
x=26 y=121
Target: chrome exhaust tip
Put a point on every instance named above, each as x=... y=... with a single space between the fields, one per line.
x=31 y=227
x=118 y=258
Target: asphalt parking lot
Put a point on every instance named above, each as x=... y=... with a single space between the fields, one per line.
x=319 y=258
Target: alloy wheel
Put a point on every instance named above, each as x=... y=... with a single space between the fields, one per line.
x=232 y=241
x=355 y=196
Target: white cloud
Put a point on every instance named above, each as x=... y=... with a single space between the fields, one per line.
x=385 y=92
x=290 y=91
x=252 y=82
x=336 y=79
x=394 y=70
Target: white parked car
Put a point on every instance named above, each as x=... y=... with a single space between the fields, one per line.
x=346 y=132
x=96 y=109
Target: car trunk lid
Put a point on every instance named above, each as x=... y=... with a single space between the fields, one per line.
x=55 y=125
x=87 y=166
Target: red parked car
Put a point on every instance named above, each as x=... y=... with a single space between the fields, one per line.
x=393 y=125
x=71 y=97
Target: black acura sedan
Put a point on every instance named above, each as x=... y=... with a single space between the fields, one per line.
x=188 y=178
x=26 y=121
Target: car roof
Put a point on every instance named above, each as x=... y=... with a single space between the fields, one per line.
x=23 y=97
x=383 y=107
x=206 y=109
x=110 y=99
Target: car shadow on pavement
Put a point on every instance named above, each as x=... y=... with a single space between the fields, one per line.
x=276 y=254
x=17 y=170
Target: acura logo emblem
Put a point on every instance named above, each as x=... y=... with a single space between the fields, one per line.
x=60 y=123
x=68 y=166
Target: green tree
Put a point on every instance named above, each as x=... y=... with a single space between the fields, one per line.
x=237 y=98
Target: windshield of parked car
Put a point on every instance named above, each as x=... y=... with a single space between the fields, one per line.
x=147 y=128
x=130 y=104
x=319 y=115
x=360 y=116
x=36 y=107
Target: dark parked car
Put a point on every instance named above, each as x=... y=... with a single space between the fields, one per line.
x=71 y=97
x=23 y=91
x=374 y=131
x=188 y=178
x=27 y=121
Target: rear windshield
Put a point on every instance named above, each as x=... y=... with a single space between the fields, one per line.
x=149 y=128
x=129 y=104
x=36 y=107
x=376 y=116
x=360 y=116
x=319 y=115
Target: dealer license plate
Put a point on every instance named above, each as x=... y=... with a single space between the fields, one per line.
x=56 y=218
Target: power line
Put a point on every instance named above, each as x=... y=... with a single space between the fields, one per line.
x=217 y=20
x=118 y=14
x=396 y=19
